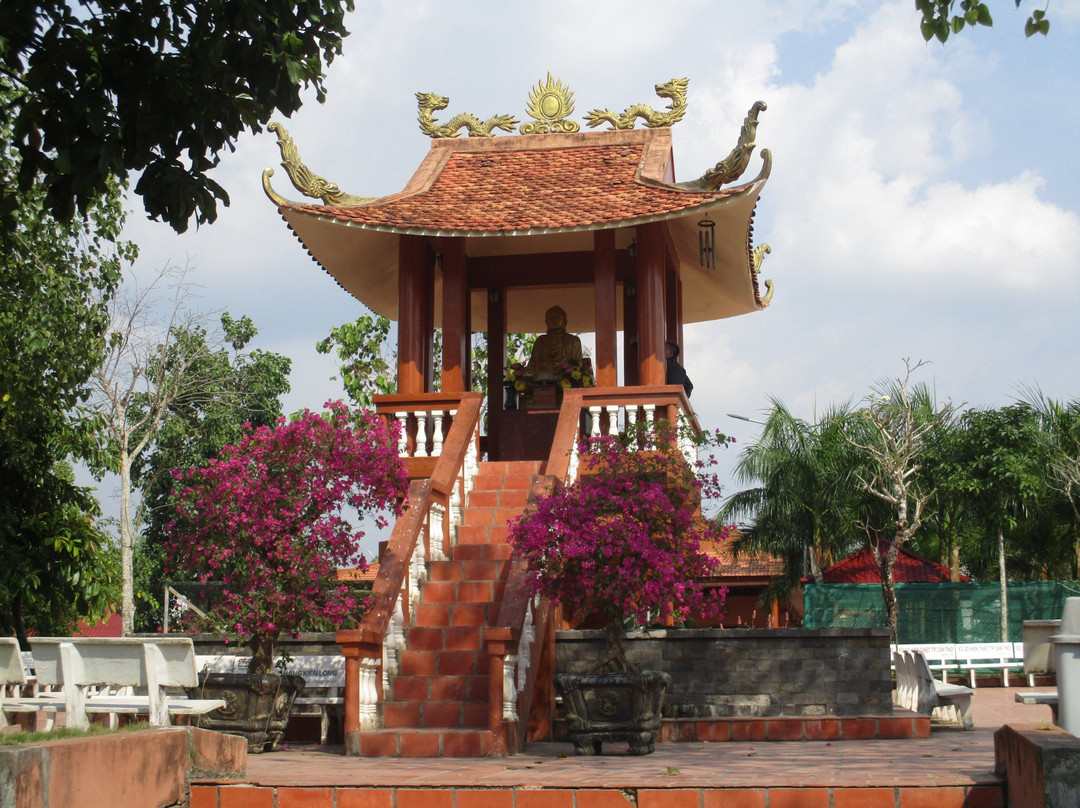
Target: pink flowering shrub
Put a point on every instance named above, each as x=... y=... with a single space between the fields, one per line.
x=624 y=541
x=267 y=519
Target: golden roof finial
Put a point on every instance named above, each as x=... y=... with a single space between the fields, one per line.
x=549 y=104
x=675 y=90
x=304 y=179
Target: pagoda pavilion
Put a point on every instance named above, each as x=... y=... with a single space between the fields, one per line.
x=453 y=656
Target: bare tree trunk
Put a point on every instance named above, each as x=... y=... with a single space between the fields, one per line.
x=888 y=586
x=1004 y=588
x=127 y=549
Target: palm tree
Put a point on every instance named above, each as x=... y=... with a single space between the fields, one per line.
x=804 y=504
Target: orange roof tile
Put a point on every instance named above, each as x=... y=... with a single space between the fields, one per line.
x=573 y=185
x=356 y=574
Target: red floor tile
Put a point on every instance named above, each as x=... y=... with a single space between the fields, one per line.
x=734 y=798
x=305 y=797
x=823 y=729
x=547 y=798
x=204 y=797
x=798 y=798
x=784 y=730
x=864 y=798
x=608 y=798
x=365 y=798
x=932 y=798
x=249 y=797
x=424 y=798
x=748 y=730
x=669 y=798
x=488 y=798
x=420 y=745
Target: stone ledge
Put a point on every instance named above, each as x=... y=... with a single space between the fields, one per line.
x=1041 y=765
x=139 y=769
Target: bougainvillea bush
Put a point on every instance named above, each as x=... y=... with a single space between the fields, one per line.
x=625 y=539
x=270 y=520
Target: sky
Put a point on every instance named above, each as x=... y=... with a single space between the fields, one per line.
x=923 y=202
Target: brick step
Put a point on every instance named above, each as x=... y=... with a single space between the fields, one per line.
x=458 y=570
x=514 y=467
x=444 y=638
x=440 y=688
x=480 y=552
x=435 y=714
x=441 y=663
x=461 y=592
x=422 y=743
x=480 y=534
x=432 y=615
x=496 y=498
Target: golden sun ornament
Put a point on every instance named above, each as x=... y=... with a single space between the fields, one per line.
x=550 y=103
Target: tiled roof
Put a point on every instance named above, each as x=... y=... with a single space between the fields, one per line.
x=745 y=564
x=910 y=568
x=580 y=183
x=356 y=574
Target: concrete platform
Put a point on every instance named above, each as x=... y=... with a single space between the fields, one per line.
x=950 y=769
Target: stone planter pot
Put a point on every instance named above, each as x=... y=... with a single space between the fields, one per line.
x=613 y=707
x=256 y=707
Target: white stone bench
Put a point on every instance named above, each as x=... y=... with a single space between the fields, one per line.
x=968 y=658
x=14 y=681
x=324 y=683
x=151 y=666
x=1047 y=697
x=917 y=690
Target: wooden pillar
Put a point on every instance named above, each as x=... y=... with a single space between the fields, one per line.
x=412 y=314
x=604 y=313
x=630 y=334
x=650 y=304
x=496 y=343
x=673 y=304
x=455 y=318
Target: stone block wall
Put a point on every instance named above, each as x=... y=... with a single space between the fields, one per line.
x=754 y=672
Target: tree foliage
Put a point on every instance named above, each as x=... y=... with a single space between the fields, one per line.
x=273 y=517
x=108 y=87
x=941 y=18
x=241 y=388
x=55 y=280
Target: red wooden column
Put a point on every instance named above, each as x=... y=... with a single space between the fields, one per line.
x=673 y=304
x=650 y=304
x=604 y=313
x=455 y=318
x=412 y=314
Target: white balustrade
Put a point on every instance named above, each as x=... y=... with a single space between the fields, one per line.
x=509 y=711
x=393 y=642
x=436 y=515
x=403 y=437
x=525 y=644
x=421 y=433
x=369 y=693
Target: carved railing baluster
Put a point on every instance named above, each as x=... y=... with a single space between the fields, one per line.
x=402 y=419
x=437 y=514
x=509 y=711
x=369 y=693
x=421 y=433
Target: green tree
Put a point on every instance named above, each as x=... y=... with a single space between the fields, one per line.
x=940 y=18
x=242 y=388
x=1001 y=472
x=55 y=280
x=108 y=87
x=1060 y=426
x=368 y=366
x=805 y=505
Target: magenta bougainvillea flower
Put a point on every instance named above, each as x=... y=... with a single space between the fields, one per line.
x=273 y=518
x=625 y=540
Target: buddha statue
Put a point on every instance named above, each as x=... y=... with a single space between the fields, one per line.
x=553 y=349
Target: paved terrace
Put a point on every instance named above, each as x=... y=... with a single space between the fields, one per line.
x=950 y=769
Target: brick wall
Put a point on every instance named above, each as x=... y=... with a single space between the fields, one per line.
x=755 y=672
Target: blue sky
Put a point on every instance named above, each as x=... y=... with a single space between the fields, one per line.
x=923 y=201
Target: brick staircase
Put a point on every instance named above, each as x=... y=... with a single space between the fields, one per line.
x=437 y=704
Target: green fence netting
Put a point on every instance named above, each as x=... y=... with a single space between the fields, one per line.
x=938 y=613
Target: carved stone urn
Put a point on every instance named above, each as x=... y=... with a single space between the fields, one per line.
x=256 y=707
x=613 y=707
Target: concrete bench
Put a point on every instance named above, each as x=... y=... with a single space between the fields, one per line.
x=324 y=683
x=917 y=690
x=152 y=665
x=14 y=681
x=1041 y=697
x=969 y=658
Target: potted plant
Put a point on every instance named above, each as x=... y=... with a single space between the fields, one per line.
x=622 y=542
x=270 y=521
